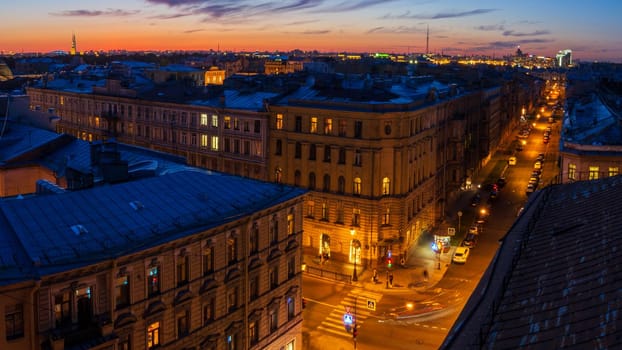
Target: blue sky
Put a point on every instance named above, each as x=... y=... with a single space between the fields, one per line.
x=591 y=29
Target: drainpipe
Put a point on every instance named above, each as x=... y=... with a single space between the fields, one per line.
x=33 y=304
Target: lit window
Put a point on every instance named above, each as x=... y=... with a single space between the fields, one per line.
x=290 y=224
x=153 y=281
x=357 y=186
x=203 y=119
x=214 y=121
x=593 y=173
x=328 y=126
x=153 y=335
x=279 y=121
x=572 y=170
x=613 y=171
x=214 y=143
x=203 y=140
x=386 y=186
x=313 y=126
x=227 y=122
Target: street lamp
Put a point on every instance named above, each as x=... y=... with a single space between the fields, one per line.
x=459 y=223
x=354 y=250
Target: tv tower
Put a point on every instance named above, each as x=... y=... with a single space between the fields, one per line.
x=73 y=44
x=427 y=40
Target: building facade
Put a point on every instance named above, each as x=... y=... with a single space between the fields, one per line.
x=173 y=262
x=208 y=133
x=379 y=175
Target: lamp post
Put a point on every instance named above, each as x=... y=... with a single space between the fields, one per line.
x=459 y=223
x=354 y=251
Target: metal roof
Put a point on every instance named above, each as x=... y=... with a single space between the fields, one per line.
x=54 y=233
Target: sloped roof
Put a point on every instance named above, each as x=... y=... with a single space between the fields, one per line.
x=557 y=280
x=54 y=233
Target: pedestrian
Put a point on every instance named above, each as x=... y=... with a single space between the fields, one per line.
x=375 y=276
x=425 y=275
x=391 y=279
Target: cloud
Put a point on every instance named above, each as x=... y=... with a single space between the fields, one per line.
x=90 y=13
x=537 y=32
x=315 y=32
x=297 y=23
x=491 y=27
x=440 y=15
x=395 y=30
x=190 y=31
x=351 y=6
x=242 y=8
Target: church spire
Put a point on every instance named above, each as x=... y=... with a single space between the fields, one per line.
x=73 y=43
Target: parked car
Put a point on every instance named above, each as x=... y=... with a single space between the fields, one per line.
x=475 y=200
x=537 y=165
x=470 y=240
x=460 y=255
x=474 y=230
x=501 y=182
x=512 y=161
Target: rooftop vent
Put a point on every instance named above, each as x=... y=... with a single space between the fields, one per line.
x=79 y=230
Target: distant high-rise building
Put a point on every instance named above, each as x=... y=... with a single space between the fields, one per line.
x=564 y=58
x=73 y=43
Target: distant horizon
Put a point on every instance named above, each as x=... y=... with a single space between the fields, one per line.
x=447 y=27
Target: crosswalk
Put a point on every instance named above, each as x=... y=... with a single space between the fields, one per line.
x=359 y=304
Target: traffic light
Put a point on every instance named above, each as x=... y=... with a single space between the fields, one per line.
x=389 y=263
x=355 y=331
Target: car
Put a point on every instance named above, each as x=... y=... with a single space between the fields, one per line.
x=460 y=255
x=534 y=180
x=530 y=189
x=519 y=147
x=470 y=240
x=537 y=165
x=512 y=161
x=501 y=182
x=474 y=230
x=540 y=157
x=475 y=200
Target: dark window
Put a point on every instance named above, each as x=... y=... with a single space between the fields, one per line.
x=312 y=181
x=291 y=267
x=326 y=186
x=342 y=156
x=183 y=328
x=298 y=150
x=254 y=239
x=182 y=270
x=122 y=291
x=62 y=309
x=274 y=277
x=279 y=145
x=327 y=154
x=312 y=152
x=153 y=281
x=358 y=129
x=297 y=178
x=257 y=126
x=341 y=185
x=14 y=321
x=208 y=260
x=298 y=126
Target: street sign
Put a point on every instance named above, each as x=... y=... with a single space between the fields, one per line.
x=451 y=231
x=371 y=304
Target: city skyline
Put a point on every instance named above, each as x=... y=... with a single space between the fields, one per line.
x=394 y=26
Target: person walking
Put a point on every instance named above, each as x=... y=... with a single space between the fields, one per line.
x=391 y=279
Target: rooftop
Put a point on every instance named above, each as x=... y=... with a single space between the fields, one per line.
x=53 y=233
x=556 y=281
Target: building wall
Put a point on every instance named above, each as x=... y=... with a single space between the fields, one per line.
x=176 y=128
x=584 y=162
x=97 y=286
x=23 y=180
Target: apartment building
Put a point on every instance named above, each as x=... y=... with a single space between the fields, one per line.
x=379 y=172
x=223 y=131
x=186 y=260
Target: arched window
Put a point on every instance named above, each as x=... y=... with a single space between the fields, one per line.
x=386 y=186
x=326 y=186
x=341 y=185
x=297 y=178
x=357 y=186
x=312 y=181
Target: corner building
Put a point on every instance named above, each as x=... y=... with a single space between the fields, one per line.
x=187 y=260
x=379 y=173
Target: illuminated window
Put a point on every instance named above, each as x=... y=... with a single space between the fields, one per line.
x=153 y=335
x=214 y=143
x=593 y=173
x=386 y=186
x=227 y=122
x=324 y=211
x=386 y=217
x=279 y=121
x=313 y=126
x=328 y=126
x=214 y=121
x=572 y=171
x=203 y=140
x=203 y=120
x=613 y=171
x=232 y=250
x=357 y=186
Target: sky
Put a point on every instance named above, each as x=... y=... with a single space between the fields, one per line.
x=591 y=29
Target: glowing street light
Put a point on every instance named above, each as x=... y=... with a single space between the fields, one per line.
x=354 y=274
